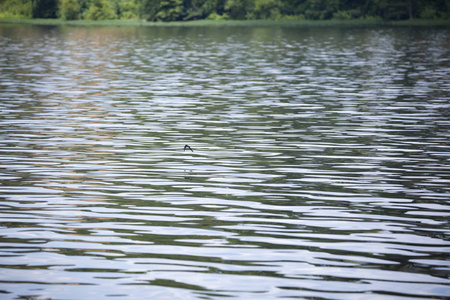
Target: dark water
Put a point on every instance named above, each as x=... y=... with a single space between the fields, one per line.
x=320 y=167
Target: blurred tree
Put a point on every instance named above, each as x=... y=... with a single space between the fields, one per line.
x=267 y=9
x=238 y=9
x=128 y=9
x=101 y=10
x=16 y=9
x=169 y=10
x=149 y=9
x=200 y=9
x=172 y=10
x=44 y=8
x=432 y=9
x=292 y=7
x=388 y=9
x=69 y=9
x=321 y=9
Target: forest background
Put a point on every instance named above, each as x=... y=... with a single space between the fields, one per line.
x=186 y=10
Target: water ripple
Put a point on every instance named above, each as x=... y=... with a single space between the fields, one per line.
x=320 y=164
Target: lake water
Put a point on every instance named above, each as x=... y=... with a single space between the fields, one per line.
x=320 y=167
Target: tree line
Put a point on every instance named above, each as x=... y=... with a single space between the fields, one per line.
x=186 y=10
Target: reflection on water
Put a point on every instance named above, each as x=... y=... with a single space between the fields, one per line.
x=320 y=165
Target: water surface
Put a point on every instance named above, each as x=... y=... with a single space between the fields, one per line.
x=320 y=165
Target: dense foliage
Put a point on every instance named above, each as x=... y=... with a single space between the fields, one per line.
x=177 y=10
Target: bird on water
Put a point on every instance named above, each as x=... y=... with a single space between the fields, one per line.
x=187 y=147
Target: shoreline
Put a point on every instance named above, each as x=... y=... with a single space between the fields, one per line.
x=225 y=23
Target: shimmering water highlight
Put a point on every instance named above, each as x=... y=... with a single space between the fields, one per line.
x=320 y=165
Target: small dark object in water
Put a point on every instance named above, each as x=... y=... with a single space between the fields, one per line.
x=187 y=146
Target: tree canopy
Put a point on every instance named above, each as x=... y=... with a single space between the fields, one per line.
x=185 y=10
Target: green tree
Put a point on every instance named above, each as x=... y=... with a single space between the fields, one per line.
x=127 y=9
x=69 y=9
x=44 y=8
x=292 y=7
x=389 y=10
x=267 y=9
x=16 y=9
x=101 y=10
x=238 y=9
x=169 y=10
x=433 y=9
x=149 y=9
x=321 y=9
x=200 y=9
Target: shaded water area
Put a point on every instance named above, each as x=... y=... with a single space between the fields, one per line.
x=320 y=167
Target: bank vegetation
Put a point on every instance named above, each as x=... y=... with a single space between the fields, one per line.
x=188 y=10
